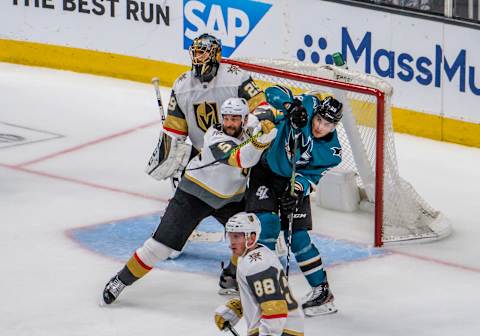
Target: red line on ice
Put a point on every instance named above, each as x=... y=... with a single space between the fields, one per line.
x=85 y=183
x=94 y=142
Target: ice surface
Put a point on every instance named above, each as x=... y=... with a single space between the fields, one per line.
x=97 y=134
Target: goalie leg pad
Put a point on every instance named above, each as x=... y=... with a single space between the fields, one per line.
x=270 y=224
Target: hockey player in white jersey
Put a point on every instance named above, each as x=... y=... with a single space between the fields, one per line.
x=214 y=184
x=195 y=101
x=265 y=301
x=193 y=107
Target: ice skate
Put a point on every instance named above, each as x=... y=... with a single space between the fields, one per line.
x=319 y=301
x=112 y=290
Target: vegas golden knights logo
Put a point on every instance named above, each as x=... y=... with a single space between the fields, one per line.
x=206 y=115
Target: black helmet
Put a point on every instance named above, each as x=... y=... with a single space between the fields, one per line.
x=205 y=53
x=330 y=109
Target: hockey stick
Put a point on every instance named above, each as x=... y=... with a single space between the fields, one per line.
x=292 y=193
x=232 y=329
x=174 y=180
x=155 y=82
x=224 y=157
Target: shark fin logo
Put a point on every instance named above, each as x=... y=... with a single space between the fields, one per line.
x=228 y=20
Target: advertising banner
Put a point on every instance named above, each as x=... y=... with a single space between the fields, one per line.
x=434 y=67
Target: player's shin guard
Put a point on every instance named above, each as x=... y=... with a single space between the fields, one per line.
x=270 y=224
x=308 y=258
x=145 y=258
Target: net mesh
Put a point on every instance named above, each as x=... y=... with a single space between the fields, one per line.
x=406 y=215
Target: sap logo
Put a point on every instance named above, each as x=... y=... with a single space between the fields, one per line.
x=229 y=20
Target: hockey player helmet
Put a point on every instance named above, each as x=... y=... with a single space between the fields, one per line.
x=205 y=53
x=235 y=106
x=329 y=109
x=247 y=223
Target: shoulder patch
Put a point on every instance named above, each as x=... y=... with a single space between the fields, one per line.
x=255 y=256
x=234 y=69
x=337 y=151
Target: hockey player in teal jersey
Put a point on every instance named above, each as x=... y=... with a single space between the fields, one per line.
x=312 y=121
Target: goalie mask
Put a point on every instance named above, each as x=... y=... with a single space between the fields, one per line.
x=205 y=53
x=247 y=223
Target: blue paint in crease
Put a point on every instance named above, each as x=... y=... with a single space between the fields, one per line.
x=119 y=239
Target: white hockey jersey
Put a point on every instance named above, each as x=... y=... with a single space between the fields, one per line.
x=218 y=175
x=195 y=106
x=268 y=305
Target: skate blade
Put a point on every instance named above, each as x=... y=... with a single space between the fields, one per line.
x=102 y=303
x=325 y=309
x=228 y=291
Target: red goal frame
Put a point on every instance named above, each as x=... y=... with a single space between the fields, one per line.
x=380 y=134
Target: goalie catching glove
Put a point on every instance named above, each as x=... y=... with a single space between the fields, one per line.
x=169 y=158
x=230 y=312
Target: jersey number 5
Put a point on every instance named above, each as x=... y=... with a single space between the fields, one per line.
x=225 y=147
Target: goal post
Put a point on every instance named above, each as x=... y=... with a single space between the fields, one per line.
x=367 y=139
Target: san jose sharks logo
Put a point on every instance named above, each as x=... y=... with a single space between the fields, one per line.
x=304 y=146
x=337 y=151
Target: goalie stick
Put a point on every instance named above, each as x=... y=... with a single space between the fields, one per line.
x=174 y=180
x=155 y=82
x=232 y=329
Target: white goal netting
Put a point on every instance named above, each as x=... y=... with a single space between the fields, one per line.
x=405 y=216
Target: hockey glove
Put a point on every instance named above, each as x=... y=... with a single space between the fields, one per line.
x=230 y=312
x=252 y=123
x=297 y=114
x=290 y=202
x=268 y=132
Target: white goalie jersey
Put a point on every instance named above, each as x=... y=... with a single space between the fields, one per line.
x=195 y=106
x=268 y=305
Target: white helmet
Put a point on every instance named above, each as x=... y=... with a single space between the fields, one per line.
x=235 y=106
x=245 y=222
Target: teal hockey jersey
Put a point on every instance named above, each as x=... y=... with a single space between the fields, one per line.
x=314 y=157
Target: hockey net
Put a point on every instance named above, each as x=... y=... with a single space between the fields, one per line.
x=367 y=139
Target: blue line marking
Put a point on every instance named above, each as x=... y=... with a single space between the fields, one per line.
x=119 y=239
